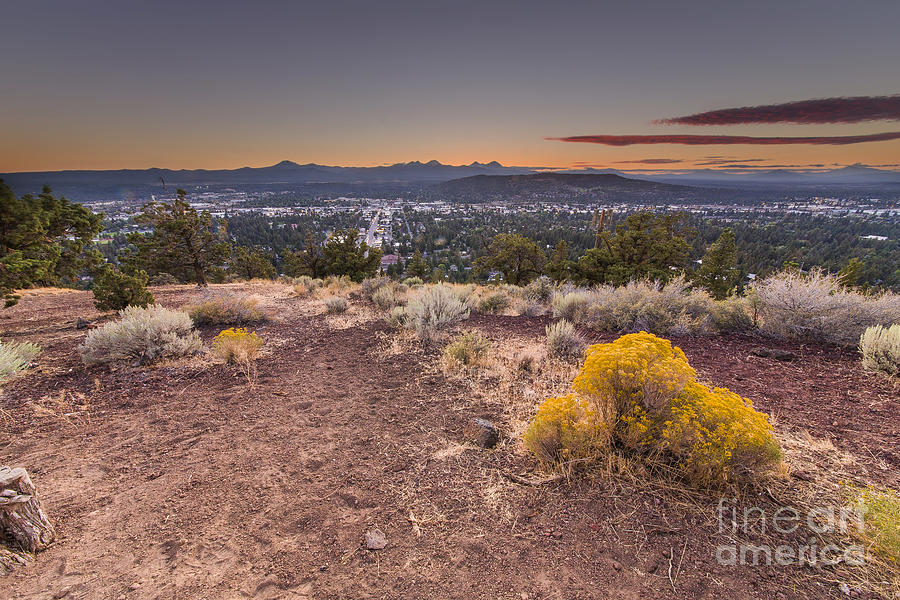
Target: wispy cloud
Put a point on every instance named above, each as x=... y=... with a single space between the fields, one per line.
x=857 y=109
x=704 y=140
x=713 y=161
x=650 y=161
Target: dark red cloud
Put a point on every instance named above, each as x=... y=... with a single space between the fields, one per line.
x=723 y=161
x=651 y=161
x=825 y=110
x=707 y=140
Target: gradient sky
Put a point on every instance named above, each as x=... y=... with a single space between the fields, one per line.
x=189 y=84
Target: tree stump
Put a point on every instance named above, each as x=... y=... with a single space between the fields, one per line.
x=22 y=519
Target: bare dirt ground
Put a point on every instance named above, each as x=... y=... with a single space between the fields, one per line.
x=178 y=480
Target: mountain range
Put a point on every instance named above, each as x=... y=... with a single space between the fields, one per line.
x=142 y=183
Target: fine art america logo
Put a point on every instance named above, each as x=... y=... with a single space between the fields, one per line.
x=808 y=525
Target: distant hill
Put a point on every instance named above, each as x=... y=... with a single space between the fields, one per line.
x=574 y=187
x=141 y=183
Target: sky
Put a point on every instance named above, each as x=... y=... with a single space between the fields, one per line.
x=88 y=84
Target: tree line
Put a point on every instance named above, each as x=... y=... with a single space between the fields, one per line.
x=47 y=240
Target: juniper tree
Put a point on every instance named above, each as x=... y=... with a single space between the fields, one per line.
x=44 y=240
x=183 y=242
x=718 y=271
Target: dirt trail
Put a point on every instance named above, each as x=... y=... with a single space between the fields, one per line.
x=185 y=483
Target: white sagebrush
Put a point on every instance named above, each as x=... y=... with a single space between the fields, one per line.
x=570 y=305
x=145 y=334
x=564 y=342
x=434 y=308
x=815 y=306
x=16 y=356
x=663 y=309
x=880 y=349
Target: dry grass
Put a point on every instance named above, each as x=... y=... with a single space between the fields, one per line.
x=66 y=407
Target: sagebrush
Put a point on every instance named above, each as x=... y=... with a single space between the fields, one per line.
x=226 y=310
x=469 y=349
x=880 y=349
x=16 y=356
x=143 y=333
x=564 y=342
x=433 y=309
x=816 y=306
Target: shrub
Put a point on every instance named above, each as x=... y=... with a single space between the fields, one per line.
x=816 y=307
x=226 y=310
x=146 y=334
x=237 y=346
x=540 y=289
x=565 y=428
x=306 y=285
x=338 y=283
x=494 y=303
x=570 y=306
x=469 y=349
x=164 y=279
x=882 y=521
x=663 y=309
x=531 y=308
x=370 y=285
x=335 y=305
x=413 y=281
x=880 y=349
x=434 y=308
x=564 y=342
x=642 y=392
x=114 y=290
x=733 y=314
x=398 y=317
x=16 y=356
x=385 y=298
x=715 y=435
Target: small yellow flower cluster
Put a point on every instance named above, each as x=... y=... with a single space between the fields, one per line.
x=641 y=391
x=237 y=345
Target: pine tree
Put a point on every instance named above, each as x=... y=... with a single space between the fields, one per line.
x=44 y=240
x=718 y=272
x=343 y=256
x=183 y=242
x=417 y=266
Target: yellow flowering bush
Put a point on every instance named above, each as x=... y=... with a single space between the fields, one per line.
x=237 y=345
x=881 y=530
x=566 y=428
x=640 y=392
x=715 y=434
x=638 y=368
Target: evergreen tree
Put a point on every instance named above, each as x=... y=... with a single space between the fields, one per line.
x=417 y=266
x=44 y=240
x=344 y=257
x=183 y=242
x=559 y=267
x=308 y=261
x=250 y=263
x=718 y=271
x=519 y=258
x=114 y=290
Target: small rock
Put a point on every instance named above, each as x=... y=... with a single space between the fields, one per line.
x=845 y=589
x=375 y=539
x=617 y=565
x=81 y=323
x=135 y=586
x=61 y=594
x=557 y=534
x=802 y=475
x=482 y=433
